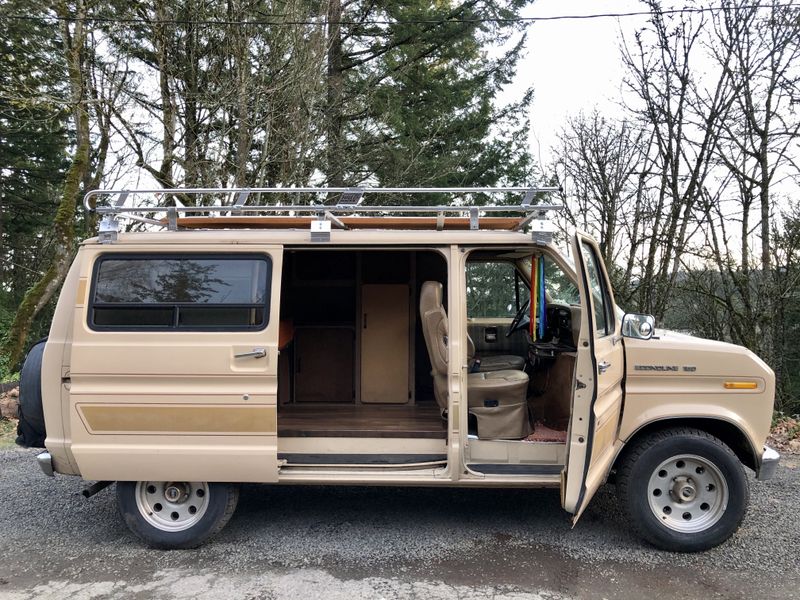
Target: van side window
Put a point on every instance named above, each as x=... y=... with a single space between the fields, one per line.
x=188 y=292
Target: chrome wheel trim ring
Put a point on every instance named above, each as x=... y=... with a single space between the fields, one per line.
x=172 y=505
x=687 y=493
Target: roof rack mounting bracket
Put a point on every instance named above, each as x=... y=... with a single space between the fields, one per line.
x=172 y=218
x=320 y=230
x=473 y=218
x=542 y=228
x=107 y=229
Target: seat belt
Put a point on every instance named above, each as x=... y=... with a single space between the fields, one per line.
x=542 y=300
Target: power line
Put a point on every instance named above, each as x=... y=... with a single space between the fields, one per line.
x=444 y=20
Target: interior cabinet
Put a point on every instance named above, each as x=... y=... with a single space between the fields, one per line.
x=324 y=364
x=385 y=330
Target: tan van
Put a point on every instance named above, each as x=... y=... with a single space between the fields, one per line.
x=291 y=343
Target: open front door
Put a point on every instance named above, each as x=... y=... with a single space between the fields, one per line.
x=597 y=397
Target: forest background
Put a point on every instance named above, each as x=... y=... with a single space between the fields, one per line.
x=690 y=185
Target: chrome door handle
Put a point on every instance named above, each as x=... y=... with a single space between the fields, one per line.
x=603 y=367
x=256 y=353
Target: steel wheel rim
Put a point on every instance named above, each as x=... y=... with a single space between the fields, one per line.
x=687 y=493
x=172 y=505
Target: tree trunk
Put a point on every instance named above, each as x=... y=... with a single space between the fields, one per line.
x=74 y=40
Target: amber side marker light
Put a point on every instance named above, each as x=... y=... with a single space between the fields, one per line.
x=740 y=385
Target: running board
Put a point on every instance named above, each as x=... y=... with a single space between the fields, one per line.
x=362 y=460
x=515 y=469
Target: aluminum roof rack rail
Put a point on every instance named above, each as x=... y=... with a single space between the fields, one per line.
x=227 y=207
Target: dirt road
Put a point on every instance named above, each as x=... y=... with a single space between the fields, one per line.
x=311 y=542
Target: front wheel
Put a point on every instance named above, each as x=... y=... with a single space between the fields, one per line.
x=683 y=489
x=176 y=514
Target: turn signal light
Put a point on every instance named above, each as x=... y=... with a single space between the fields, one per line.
x=740 y=385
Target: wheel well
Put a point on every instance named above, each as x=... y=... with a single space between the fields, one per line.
x=729 y=433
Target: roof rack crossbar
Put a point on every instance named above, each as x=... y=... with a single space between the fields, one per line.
x=349 y=197
x=333 y=208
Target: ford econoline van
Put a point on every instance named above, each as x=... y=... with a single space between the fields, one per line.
x=259 y=336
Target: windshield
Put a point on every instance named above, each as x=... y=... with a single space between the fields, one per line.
x=559 y=286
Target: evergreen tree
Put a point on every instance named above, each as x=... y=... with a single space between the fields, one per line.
x=33 y=149
x=390 y=93
x=419 y=101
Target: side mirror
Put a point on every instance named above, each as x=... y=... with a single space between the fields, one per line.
x=638 y=326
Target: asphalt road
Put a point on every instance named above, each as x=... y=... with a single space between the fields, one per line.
x=346 y=542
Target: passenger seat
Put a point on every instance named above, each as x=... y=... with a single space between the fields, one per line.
x=497 y=399
x=497 y=362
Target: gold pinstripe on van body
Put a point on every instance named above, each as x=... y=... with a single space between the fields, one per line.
x=178 y=419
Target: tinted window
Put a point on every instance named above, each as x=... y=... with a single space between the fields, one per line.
x=180 y=292
x=603 y=316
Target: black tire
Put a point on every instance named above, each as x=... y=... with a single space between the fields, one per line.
x=31 y=431
x=644 y=460
x=221 y=504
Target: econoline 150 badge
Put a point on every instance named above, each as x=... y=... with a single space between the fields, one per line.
x=665 y=368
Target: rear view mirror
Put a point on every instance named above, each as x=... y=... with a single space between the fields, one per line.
x=638 y=326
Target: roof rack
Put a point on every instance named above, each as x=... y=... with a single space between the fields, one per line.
x=229 y=207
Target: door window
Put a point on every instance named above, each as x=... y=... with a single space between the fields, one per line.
x=603 y=313
x=494 y=290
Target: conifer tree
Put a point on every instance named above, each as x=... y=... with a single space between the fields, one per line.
x=33 y=149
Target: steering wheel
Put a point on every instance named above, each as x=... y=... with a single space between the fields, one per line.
x=521 y=319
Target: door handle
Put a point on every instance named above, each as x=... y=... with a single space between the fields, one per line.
x=490 y=334
x=603 y=367
x=256 y=353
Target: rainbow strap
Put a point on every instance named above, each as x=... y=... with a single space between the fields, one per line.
x=538 y=300
x=534 y=284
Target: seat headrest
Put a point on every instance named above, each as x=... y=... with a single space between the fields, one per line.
x=430 y=297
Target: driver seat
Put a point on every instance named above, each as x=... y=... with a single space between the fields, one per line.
x=496 y=399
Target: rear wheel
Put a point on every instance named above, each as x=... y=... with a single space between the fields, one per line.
x=31 y=431
x=684 y=490
x=176 y=514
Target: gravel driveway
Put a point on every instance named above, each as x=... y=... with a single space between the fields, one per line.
x=345 y=542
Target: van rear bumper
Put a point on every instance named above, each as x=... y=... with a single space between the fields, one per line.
x=769 y=464
x=46 y=463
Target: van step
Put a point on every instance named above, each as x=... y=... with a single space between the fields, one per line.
x=506 y=469
x=296 y=459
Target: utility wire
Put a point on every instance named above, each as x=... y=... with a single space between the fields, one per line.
x=441 y=21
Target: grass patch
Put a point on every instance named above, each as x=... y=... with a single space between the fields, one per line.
x=8 y=433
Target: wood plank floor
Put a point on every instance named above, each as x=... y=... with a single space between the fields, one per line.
x=361 y=421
